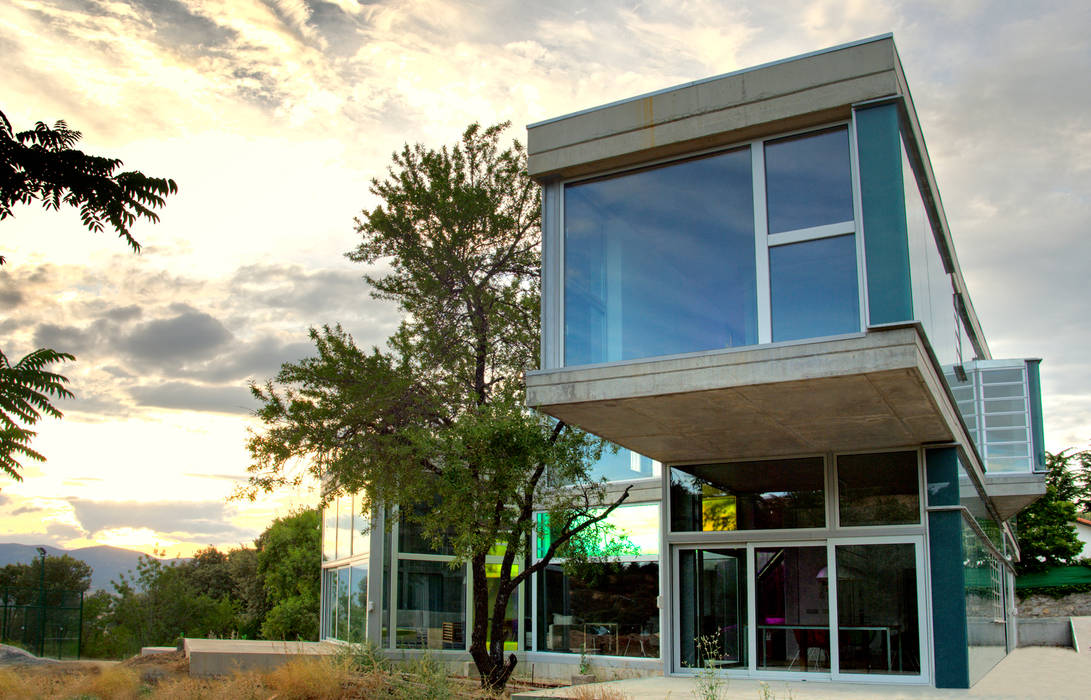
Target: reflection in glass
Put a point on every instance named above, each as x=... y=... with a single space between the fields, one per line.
x=344 y=527
x=986 y=626
x=878 y=489
x=764 y=495
x=329 y=531
x=361 y=531
x=814 y=289
x=606 y=609
x=630 y=530
x=713 y=614
x=341 y=617
x=622 y=465
x=510 y=626
x=808 y=181
x=412 y=541
x=877 y=627
x=358 y=604
x=329 y=596
x=793 y=612
x=431 y=605
x=660 y=261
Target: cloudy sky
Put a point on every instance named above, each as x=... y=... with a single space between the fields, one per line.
x=272 y=115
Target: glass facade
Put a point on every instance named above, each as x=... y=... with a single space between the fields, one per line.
x=793 y=614
x=995 y=402
x=878 y=489
x=765 y=495
x=660 y=261
x=713 y=619
x=986 y=619
x=667 y=260
x=431 y=605
x=878 y=629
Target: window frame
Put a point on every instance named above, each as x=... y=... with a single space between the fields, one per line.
x=553 y=306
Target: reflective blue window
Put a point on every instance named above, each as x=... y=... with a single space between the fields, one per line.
x=814 y=288
x=660 y=261
x=622 y=465
x=808 y=181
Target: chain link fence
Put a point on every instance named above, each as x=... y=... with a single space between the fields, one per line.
x=45 y=623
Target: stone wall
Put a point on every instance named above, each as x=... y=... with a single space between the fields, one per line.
x=1073 y=604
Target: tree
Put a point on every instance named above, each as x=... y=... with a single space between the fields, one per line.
x=61 y=573
x=441 y=410
x=26 y=390
x=40 y=164
x=289 y=561
x=1045 y=530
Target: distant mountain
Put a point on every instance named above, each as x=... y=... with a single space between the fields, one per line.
x=107 y=563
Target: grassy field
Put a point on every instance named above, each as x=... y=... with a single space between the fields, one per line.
x=304 y=678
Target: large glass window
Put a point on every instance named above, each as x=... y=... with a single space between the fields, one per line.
x=344 y=527
x=765 y=495
x=661 y=261
x=793 y=613
x=431 y=605
x=329 y=531
x=877 y=626
x=358 y=603
x=341 y=616
x=814 y=288
x=986 y=619
x=623 y=465
x=713 y=619
x=878 y=489
x=808 y=181
x=608 y=609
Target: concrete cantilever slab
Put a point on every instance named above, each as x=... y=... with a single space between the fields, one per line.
x=876 y=390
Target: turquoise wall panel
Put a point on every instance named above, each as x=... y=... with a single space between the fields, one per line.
x=1037 y=429
x=886 y=244
x=949 y=638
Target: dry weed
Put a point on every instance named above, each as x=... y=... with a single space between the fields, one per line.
x=595 y=692
x=12 y=685
x=114 y=683
x=305 y=678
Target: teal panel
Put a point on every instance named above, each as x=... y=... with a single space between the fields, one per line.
x=1037 y=429
x=886 y=243
x=949 y=638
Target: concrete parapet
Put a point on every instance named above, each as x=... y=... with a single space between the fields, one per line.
x=221 y=657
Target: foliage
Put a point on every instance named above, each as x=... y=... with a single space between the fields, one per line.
x=289 y=559
x=441 y=411
x=40 y=164
x=1045 y=530
x=26 y=390
x=61 y=573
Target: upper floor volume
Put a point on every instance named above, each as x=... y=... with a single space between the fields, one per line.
x=764 y=250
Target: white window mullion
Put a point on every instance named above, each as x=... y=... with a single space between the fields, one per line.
x=761 y=244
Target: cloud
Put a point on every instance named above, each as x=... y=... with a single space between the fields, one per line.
x=63 y=531
x=4 y=499
x=195 y=519
x=189 y=396
x=192 y=334
x=23 y=510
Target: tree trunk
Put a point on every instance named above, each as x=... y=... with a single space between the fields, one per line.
x=488 y=654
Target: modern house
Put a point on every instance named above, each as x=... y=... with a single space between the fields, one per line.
x=750 y=286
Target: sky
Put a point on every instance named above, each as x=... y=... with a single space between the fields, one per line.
x=274 y=115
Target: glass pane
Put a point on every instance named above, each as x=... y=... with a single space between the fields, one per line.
x=341 y=623
x=963 y=393
x=660 y=261
x=344 y=527
x=1001 y=405
x=1006 y=420
x=623 y=465
x=792 y=588
x=1001 y=376
x=511 y=612
x=607 y=609
x=361 y=530
x=1008 y=435
x=329 y=601
x=1002 y=391
x=411 y=540
x=633 y=532
x=358 y=604
x=713 y=617
x=329 y=531
x=762 y=495
x=808 y=181
x=814 y=289
x=1018 y=449
x=878 y=489
x=877 y=626
x=1007 y=464
x=986 y=627
x=431 y=605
